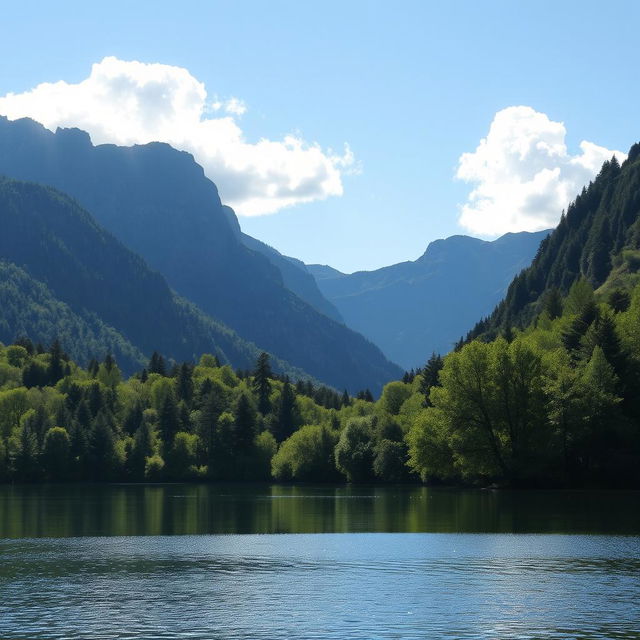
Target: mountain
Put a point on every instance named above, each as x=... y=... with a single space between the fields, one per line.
x=295 y=275
x=414 y=308
x=30 y=309
x=597 y=239
x=63 y=276
x=158 y=202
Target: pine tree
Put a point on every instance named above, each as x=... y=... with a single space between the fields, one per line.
x=184 y=383
x=262 y=383
x=168 y=420
x=430 y=376
x=101 y=453
x=133 y=418
x=553 y=303
x=157 y=364
x=287 y=420
x=56 y=368
x=142 y=449
x=245 y=424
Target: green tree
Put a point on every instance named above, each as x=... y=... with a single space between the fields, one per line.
x=168 y=420
x=307 y=456
x=288 y=415
x=262 y=383
x=354 y=452
x=245 y=424
x=55 y=455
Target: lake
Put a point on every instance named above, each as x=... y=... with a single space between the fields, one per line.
x=302 y=562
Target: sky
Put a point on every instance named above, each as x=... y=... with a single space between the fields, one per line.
x=346 y=133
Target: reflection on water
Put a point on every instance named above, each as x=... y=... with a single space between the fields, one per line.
x=126 y=561
x=125 y=510
x=360 y=586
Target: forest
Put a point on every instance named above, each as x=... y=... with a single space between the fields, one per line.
x=553 y=405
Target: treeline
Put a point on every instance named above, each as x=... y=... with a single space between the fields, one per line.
x=557 y=404
x=179 y=422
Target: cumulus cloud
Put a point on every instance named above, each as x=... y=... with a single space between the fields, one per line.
x=524 y=176
x=129 y=102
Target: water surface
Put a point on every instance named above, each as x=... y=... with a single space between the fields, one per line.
x=271 y=563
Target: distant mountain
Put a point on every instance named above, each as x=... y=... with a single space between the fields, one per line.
x=598 y=239
x=158 y=202
x=411 y=309
x=293 y=271
x=63 y=276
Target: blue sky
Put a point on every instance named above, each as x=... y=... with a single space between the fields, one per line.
x=409 y=86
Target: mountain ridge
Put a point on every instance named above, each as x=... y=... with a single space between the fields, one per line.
x=461 y=274
x=132 y=190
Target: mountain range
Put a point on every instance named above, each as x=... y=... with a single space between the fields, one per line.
x=130 y=250
x=158 y=203
x=414 y=308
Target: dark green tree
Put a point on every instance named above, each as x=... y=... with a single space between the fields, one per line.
x=245 y=424
x=262 y=383
x=288 y=416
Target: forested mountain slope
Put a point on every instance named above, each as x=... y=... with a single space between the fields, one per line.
x=414 y=308
x=29 y=309
x=547 y=389
x=159 y=203
x=76 y=282
x=598 y=237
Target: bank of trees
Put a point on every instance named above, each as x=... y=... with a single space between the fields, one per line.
x=174 y=422
x=557 y=404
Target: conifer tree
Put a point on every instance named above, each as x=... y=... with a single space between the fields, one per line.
x=245 y=424
x=262 y=383
x=56 y=367
x=184 y=382
x=168 y=420
x=157 y=364
x=287 y=420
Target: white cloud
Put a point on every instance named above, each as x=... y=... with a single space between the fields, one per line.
x=523 y=174
x=233 y=106
x=128 y=102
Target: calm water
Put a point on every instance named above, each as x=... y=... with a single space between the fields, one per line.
x=179 y=561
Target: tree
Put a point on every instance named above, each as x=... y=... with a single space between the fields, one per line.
x=168 y=420
x=184 y=383
x=245 y=424
x=27 y=463
x=489 y=412
x=55 y=455
x=552 y=303
x=354 y=452
x=180 y=461
x=430 y=375
x=103 y=459
x=288 y=416
x=141 y=451
x=56 y=368
x=389 y=463
x=262 y=383
x=157 y=364
x=393 y=395
x=306 y=456
x=214 y=404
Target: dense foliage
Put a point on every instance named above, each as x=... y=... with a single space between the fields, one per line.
x=598 y=239
x=557 y=404
x=59 y=422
